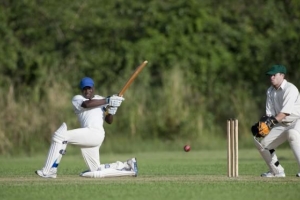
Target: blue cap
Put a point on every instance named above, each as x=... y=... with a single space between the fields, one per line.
x=86 y=81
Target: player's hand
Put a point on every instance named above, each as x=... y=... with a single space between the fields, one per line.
x=112 y=110
x=114 y=100
x=263 y=126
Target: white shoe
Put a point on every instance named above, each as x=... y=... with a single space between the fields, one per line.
x=270 y=174
x=133 y=165
x=298 y=175
x=41 y=174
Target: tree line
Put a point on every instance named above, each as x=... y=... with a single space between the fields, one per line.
x=207 y=62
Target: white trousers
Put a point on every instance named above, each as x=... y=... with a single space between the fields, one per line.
x=88 y=139
x=281 y=133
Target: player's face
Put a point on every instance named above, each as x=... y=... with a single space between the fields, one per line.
x=276 y=79
x=88 y=92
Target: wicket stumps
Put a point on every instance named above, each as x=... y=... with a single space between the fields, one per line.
x=232 y=148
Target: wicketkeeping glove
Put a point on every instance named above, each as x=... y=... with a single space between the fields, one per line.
x=254 y=130
x=263 y=126
x=114 y=100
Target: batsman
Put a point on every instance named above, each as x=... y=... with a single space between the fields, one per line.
x=281 y=122
x=92 y=111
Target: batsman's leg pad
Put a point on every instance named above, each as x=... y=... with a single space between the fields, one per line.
x=107 y=173
x=58 y=135
x=61 y=153
x=52 y=157
x=56 y=151
x=117 y=165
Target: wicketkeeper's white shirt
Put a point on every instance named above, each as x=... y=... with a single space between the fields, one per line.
x=285 y=99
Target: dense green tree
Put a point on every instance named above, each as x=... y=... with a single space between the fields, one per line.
x=217 y=50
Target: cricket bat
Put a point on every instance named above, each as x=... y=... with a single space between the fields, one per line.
x=132 y=77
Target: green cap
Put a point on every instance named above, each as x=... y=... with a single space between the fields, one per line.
x=276 y=69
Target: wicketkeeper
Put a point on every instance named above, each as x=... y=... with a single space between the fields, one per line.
x=281 y=123
x=92 y=110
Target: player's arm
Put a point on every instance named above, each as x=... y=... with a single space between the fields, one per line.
x=270 y=110
x=114 y=101
x=281 y=116
x=92 y=103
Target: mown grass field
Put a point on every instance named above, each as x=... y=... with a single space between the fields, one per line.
x=162 y=176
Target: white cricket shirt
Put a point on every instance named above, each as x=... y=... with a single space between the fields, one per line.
x=89 y=117
x=285 y=100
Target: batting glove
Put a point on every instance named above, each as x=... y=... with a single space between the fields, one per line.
x=114 y=100
x=112 y=110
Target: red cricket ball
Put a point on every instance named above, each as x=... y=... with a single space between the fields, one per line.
x=187 y=148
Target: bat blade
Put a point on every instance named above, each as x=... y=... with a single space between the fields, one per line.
x=132 y=77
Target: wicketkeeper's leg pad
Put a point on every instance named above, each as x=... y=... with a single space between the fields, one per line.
x=270 y=158
x=293 y=137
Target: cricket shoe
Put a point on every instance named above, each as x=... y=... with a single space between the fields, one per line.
x=133 y=165
x=271 y=175
x=41 y=174
x=298 y=175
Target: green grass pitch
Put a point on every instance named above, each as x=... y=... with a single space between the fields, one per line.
x=162 y=176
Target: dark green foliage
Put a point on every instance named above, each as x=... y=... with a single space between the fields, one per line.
x=219 y=49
